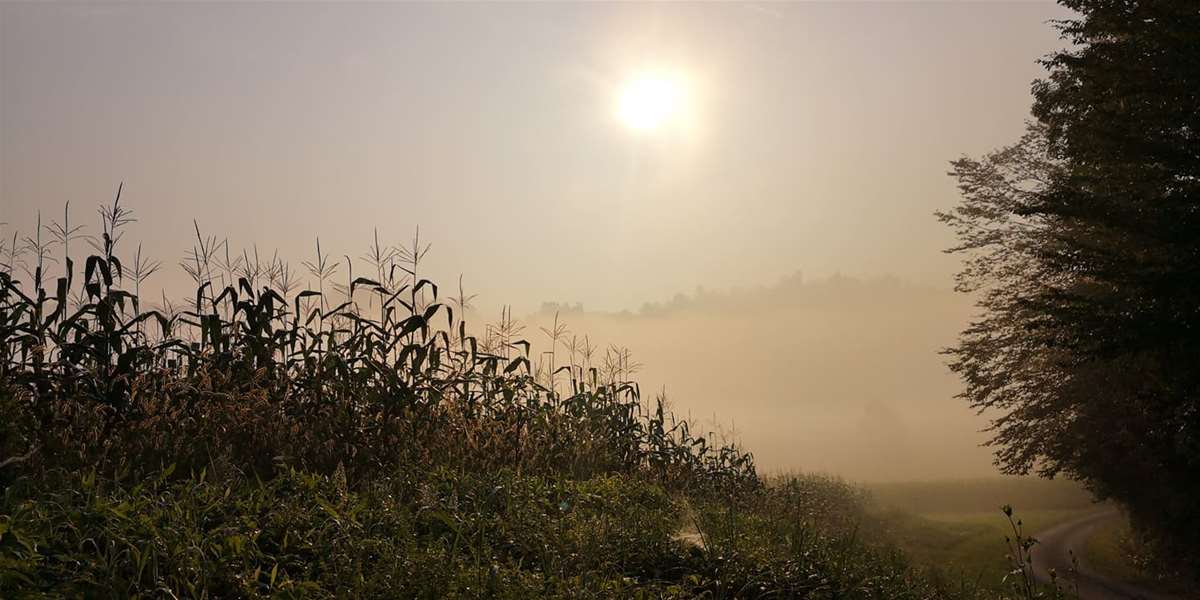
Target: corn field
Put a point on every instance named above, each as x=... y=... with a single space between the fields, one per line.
x=365 y=366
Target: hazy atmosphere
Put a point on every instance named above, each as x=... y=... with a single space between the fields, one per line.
x=780 y=365
x=585 y=300
x=816 y=141
x=819 y=139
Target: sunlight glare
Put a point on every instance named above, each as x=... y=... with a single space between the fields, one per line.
x=648 y=102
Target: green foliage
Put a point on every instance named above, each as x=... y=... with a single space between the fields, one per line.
x=1081 y=242
x=299 y=535
x=799 y=538
x=436 y=534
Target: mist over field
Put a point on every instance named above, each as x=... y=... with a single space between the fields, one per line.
x=838 y=374
x=805 y=136
x=586 y=300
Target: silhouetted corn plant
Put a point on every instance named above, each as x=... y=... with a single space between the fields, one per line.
x=258 y=372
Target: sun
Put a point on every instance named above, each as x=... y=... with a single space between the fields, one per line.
x=648 y=102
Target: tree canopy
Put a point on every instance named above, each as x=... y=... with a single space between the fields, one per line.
x=1082 y=244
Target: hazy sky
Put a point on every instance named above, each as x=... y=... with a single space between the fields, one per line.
x=818 y=140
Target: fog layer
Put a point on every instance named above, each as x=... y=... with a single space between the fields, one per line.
x=838 y=374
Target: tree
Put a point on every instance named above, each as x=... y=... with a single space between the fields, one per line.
x=1082 y=242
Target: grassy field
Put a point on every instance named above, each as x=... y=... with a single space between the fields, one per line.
x=965 y=546
x=980 y=495
x=356 y=437
x=955 y=529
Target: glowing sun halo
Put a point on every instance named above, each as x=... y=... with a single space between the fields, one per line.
x=648 y=102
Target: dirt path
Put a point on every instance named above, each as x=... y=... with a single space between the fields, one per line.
x=1053 y=552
